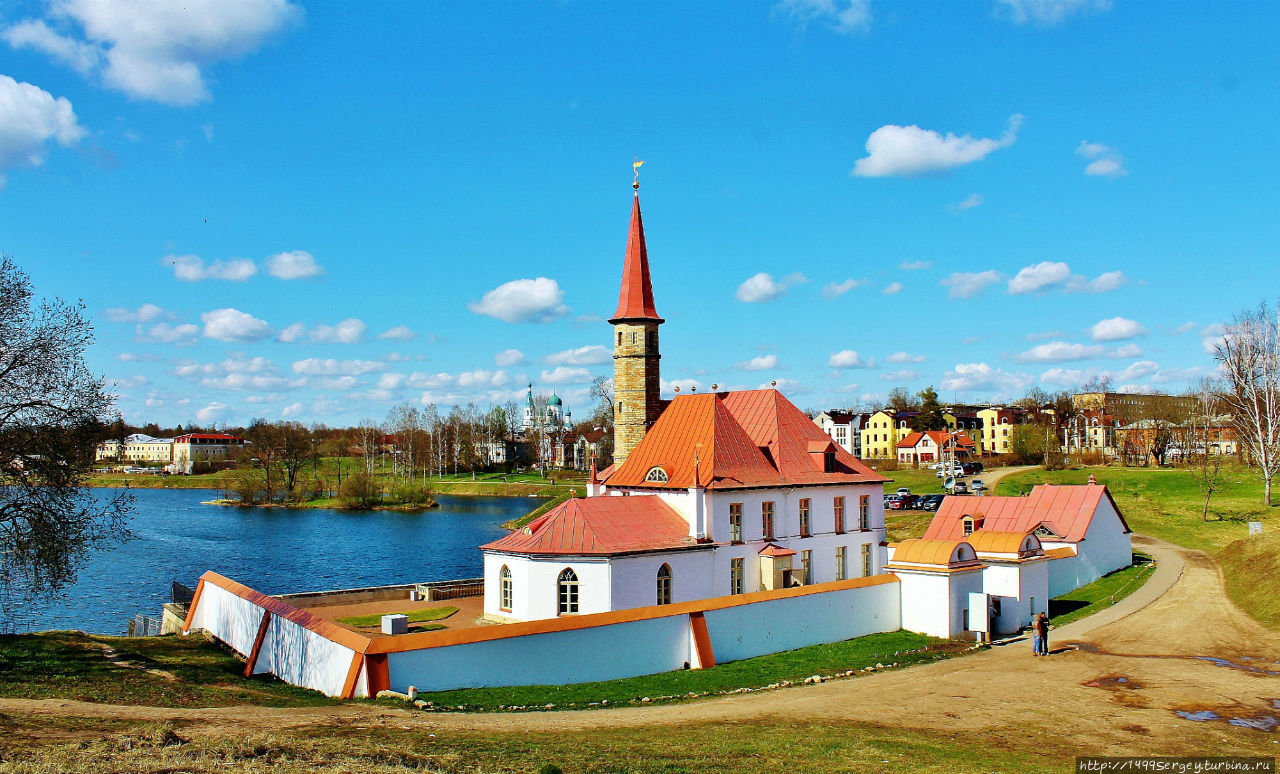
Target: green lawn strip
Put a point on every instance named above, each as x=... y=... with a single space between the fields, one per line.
x=793 y=666
x=1102 y=593
x=415 y=616
x=69 y=665
x=536 y=512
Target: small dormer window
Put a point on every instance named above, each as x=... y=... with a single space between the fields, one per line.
x=968 y=526
x=656 y=475
x=829 y=462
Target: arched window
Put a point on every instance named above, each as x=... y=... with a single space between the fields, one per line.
x=504 y=589
x=968 y=526
x=567 y=591
x=664 y=584
x=657 y=475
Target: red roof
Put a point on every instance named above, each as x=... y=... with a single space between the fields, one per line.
x=748 y=438
x=775 y=550
x=939 y=438
x=601 y=526
x=1066 y=510
x=635 y=298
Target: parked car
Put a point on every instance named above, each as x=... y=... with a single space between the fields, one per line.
x=890 y=499
x=902 y=490
x=902 y=503
x=930 y=502
x=960 y=488
x=976 y=485
x=972 y=467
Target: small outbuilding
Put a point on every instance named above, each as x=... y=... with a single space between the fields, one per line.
x=936 y=578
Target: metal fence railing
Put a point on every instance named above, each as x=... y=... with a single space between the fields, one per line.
x=144 y=626
x=451 y=589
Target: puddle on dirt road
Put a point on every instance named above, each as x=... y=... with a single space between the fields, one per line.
x=1113 y=683
x=1225 y=662
x=1229 y=663
x=1238 y=716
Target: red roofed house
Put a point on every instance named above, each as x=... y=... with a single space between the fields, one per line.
x=712 y=494
x=204 y=447
x=933 y=445
x=1080 y=528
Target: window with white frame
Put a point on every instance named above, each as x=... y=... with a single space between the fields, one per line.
x=567 y=586
x=664 y=584
x=504 y=589
x=735 y=576
x=841 y=565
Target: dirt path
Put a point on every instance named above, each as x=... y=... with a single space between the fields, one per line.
x=1157 y=640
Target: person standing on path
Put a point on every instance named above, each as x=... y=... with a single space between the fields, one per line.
x=1040 y=628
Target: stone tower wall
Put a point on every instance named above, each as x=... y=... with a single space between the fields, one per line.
x=636 y=384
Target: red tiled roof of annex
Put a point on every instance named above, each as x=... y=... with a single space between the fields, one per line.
x=731 y=440
x=635 y=297
x=600 y=526
x=1068 y=510
x=939 y=438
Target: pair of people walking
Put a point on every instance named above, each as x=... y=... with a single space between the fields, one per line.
x=1040 y=635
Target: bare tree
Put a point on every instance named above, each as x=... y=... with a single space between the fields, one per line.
x=368 y=438
x=1204 y=462
x=53 y=413
x=1250 y=356
x=295 y=451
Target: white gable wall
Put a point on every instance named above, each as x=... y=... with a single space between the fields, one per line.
x=1023 y=589
x=535 y=585
x=1106 y=548
x=635 y=578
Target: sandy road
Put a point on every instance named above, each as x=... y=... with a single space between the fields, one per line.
x=1157 y=640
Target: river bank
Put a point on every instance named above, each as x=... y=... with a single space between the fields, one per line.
x=479 y=487
x=327 y=503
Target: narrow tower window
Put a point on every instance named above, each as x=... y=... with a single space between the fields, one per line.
x=664 y=584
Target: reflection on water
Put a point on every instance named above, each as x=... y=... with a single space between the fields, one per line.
x=274 y=550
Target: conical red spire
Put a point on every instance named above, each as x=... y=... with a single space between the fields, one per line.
x=635 y=299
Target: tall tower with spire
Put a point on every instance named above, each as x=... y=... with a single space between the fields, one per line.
x=636 y=385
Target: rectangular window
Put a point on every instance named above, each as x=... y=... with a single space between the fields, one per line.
x=735 y=576
x=806 y=567
x=864 y=512
x=735 y=522
x=839 y=514
x=866 y=560
x=766 y=519
x=804 y=517
x=841 y=568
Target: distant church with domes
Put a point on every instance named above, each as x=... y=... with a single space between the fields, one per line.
x=555 y=415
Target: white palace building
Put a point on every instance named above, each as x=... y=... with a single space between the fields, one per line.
x=730 y=526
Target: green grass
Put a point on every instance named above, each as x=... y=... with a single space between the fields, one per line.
x=536 y=512
x=901 y=647
x=1251 y=567
x=415 y=616
x=71 y=665
x=1102 y=593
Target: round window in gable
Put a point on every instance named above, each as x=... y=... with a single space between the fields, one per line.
x=657 y=475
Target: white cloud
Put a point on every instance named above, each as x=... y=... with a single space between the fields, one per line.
x=29 y=118
x=1102 y=283
x=761 y=288
x=1045 y=275
x=981 y=376
x=524 y=300
x=1211 y=337
x=398 y=333
x=1107 y=161
x=508 y=357
x=1127 y=350
x=338 y=383
x=1045 y=13
x=144 y=313
x=833 y=290
x=294 y=264
x=1059 y=352
x=904 y=357
x=153 y=49
x=349 y=331
x=969 y=284
x=183 y=335
x=390 y=381
x=242 y=381
x=849 y=358
x=315 y=366
x=1186 y=327
x=842 y=16
x=292 y=333
x=231 y=324
x=904 y=151
x=232 y=365
x=593 y=354
x=969 y=202
x=211 y=412
x=892 y=288
x=192 y=268
x=292 y=410
x=901 y=375
x=1116 y=329
x=915 y=265
x=468 y=380
x=761 y=363
x=686 y=385
x=566 y=375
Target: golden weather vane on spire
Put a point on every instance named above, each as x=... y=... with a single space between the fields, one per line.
x=635 y=169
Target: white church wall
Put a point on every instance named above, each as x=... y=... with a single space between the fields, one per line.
x=635 y=578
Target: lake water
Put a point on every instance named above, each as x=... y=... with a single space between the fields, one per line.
x=273 y=550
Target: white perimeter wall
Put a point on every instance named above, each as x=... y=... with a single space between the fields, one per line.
x=226 y=616
x=773 y=626
x=534 y=585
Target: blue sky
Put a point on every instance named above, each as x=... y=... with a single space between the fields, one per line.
x=317 y=211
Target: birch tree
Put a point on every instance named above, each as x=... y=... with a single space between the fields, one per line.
x=1249 y=354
